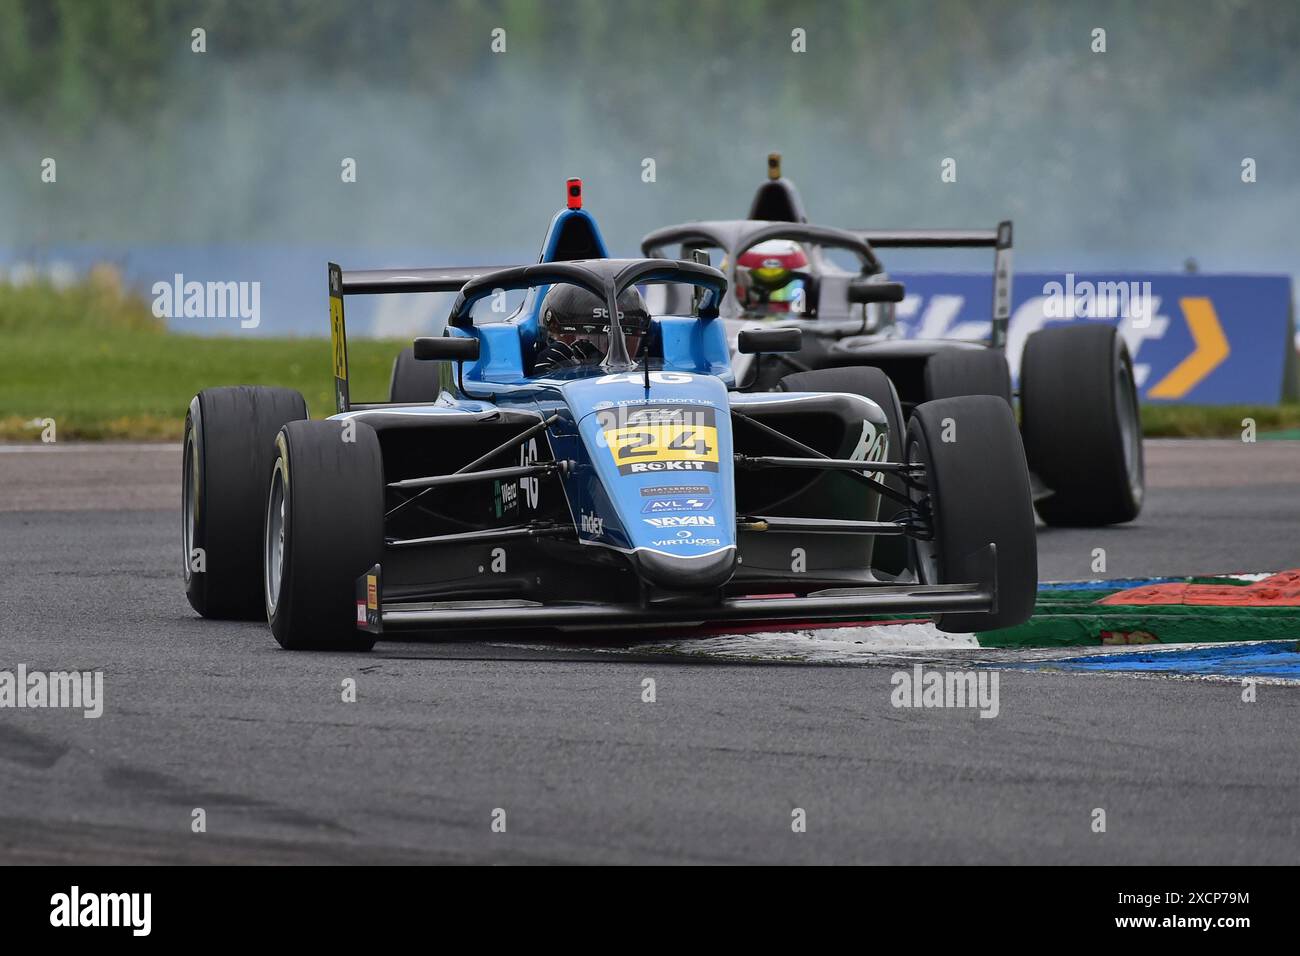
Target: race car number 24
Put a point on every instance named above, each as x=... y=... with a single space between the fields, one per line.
x=654 y=438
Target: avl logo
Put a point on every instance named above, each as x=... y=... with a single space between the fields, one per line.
x=665 y=505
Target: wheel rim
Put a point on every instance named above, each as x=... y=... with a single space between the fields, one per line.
x=189 y=510
x=273 y=554
x=1129 y=429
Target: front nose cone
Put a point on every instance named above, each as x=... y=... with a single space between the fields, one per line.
x=706 y=572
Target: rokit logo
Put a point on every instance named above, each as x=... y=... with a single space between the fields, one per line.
x=591 y=524
x=77 y=909
x=683 y=521
x=644 y=466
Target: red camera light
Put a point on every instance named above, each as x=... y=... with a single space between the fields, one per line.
x=574 y=191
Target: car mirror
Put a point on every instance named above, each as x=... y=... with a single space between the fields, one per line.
x=455 y=348
x=862 y=291
x=754 y=341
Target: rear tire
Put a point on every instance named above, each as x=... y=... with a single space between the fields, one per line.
x=324 y=528
x=978 y=485
x=228 y=449
x=413 y=381
x=889 y=553
x=955 y=372
x=1081 y=425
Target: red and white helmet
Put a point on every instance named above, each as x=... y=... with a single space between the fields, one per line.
x=771 y=263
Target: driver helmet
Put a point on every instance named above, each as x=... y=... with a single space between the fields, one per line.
x=771 y=263
x=577 y=327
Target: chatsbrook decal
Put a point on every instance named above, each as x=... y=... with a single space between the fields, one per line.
x=77 y=690
x=74 y=908
x=946 y=688
x=209 y=300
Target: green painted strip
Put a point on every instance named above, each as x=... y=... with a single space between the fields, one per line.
x=1078 y=622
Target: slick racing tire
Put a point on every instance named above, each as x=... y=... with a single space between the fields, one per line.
x=977 y=485
x=324 y=528
x=1081 y=425
x=228 y=449
x=888 y=552
x=967 y=372
x=413 y=381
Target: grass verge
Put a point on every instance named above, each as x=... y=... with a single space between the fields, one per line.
x=93 y=358
x=1219 y=421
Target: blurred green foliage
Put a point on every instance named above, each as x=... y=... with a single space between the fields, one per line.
x=70 y=61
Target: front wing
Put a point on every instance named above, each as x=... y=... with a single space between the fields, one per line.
x=376 y=616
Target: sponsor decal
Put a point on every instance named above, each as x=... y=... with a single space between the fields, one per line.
x=591 y=524
x=530 y=487
x=372 y=592
x=338 y=339
x=872 y=445
x=650 y=438
x=673 y=542
x=505 y=497
x=662 y=505
x=657 y=491
x=641 y=467
x=682 y=521
x=361 y=612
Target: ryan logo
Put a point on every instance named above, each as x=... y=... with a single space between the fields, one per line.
x=682 y=521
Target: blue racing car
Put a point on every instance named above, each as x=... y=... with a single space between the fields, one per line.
x=583 y=463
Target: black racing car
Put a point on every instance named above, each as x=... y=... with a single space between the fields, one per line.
x=1079 y=417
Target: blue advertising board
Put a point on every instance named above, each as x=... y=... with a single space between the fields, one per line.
x=1194 y=338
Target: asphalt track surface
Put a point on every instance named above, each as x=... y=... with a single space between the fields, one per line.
x=215 y=716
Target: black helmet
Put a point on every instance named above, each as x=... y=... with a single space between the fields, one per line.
x=576 y=323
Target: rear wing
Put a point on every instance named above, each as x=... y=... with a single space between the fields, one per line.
x=998 y=239
x=380 y=282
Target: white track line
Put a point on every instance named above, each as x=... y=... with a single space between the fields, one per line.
x=37 y=447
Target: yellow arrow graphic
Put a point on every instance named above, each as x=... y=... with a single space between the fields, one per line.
x=1211 y=349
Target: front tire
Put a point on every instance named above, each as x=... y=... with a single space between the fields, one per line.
x=228 y=450
x=324 y=528
x=977 y=484
x=1081 y=425
x=889 y=553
